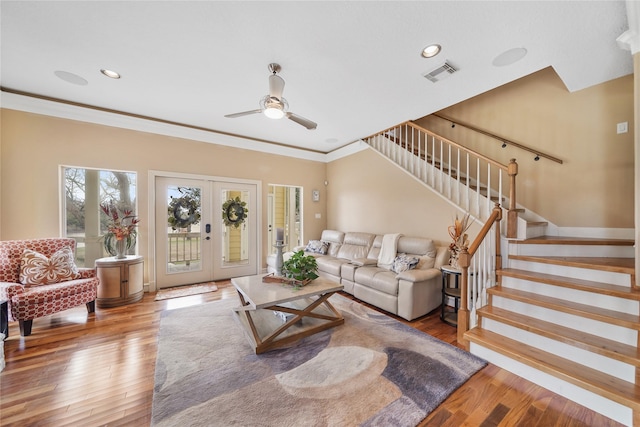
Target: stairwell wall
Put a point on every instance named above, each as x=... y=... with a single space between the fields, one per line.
x=370 y=194
x=594 y=187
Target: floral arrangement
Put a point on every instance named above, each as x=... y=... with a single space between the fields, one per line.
x=457 y=231
x=122 y=225
x=121 y=228
x=460 y=238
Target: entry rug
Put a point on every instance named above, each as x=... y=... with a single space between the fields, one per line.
x=183 y=291
x=371 y=371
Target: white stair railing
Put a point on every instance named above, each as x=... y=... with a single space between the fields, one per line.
x=470 y=180
x=473 y=182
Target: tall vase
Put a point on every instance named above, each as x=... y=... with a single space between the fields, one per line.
x=453 y=260
x=121 y=248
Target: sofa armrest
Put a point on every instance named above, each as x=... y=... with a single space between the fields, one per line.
x=416 y=275
x=8 y=290
x=364 y=261
x=87 y=273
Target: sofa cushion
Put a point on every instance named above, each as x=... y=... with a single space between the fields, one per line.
x=355 y=245
x=334 y=238
x=424 y=249
x=317 y=247
x=37 y=269
x=404 y=262
x=38 y=301
x=330 y=264
x=377 y=278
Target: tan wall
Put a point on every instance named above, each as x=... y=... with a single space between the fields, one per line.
x=595 y=185
x=34 y=147
x=368 y=193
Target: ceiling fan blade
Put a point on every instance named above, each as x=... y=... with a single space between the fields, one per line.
x=276 y=86
x=302 y=121
x=244 y=113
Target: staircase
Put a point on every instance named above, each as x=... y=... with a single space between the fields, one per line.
x=567 y=323
x=564 y=314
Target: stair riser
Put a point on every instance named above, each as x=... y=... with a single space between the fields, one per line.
x=604 y=364
x=612 y=278
x=528 y=232
x=622 y=305
x=604 y=406
x=606 y=330
x=572 y=250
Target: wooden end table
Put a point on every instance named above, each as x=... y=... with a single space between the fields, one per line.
x=273 y=314
x=121 y=280
x=450 y=318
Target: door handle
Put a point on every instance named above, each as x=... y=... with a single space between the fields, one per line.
x=207 y=228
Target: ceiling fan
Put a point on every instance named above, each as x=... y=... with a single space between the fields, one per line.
x=274 y=105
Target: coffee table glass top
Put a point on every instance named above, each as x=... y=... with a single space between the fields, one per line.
x=260 y=294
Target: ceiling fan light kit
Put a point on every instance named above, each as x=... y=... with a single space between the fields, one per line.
x=274 y=113
x=274 y=105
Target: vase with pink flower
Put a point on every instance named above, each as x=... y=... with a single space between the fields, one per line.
x=121 y=232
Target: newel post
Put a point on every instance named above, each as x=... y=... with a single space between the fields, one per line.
x=512 y=217
x=498 y=210
x=464 y=260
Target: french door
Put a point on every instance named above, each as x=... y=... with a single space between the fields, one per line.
x=205 y=229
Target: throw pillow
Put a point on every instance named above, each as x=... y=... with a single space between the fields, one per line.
x=317 y=247
x=404 y=262
x=37 y=269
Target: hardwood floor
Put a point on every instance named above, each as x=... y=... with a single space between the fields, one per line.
x=98 y=370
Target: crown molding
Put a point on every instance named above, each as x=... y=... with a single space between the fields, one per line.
x=56 y=108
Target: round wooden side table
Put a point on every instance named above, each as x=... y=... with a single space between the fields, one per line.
x=121 y=280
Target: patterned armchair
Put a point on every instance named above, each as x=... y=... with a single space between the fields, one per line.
x=38 y=277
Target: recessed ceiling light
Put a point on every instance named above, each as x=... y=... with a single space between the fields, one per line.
x=431 y=50
x=110 y=73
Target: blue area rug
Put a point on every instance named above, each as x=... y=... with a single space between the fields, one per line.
x=371 y=371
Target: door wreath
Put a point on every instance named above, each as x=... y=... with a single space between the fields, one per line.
x=234 y=212
x=183 y=212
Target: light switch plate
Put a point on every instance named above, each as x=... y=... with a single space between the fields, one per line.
x=623 y=127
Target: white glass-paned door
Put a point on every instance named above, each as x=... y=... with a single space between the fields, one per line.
x=236 y=249
x=205 y=230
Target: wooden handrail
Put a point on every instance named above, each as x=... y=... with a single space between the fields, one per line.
x=464 y=261
x=499 y=138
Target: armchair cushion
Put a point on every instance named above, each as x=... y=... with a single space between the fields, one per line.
x=37 y=269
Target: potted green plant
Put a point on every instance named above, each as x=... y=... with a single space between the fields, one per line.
x=300 y=267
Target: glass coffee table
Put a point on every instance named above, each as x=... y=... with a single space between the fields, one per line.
x=273 y=314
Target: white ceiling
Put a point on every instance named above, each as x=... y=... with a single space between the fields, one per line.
x=353 y=67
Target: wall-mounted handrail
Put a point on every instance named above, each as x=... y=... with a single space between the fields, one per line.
x=499 y=138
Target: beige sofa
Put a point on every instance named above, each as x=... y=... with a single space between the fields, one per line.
x=353 y=259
